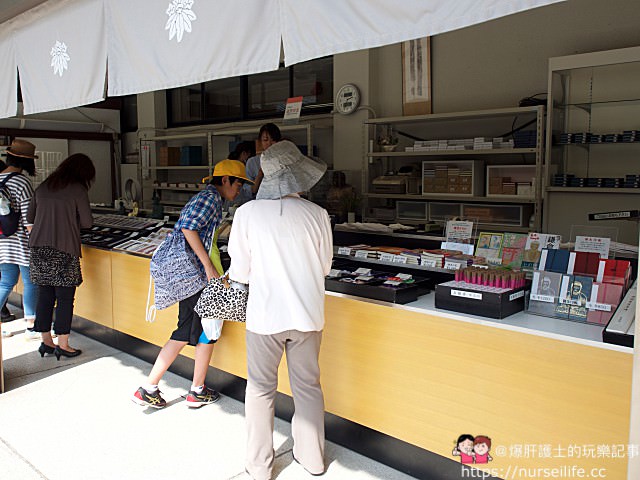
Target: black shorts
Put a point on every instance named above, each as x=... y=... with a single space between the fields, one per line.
x=189 y=326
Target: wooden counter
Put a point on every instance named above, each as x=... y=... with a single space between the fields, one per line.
x=424 y=377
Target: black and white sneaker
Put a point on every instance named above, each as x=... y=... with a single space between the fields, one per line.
x=196 y=400
x=153 y=400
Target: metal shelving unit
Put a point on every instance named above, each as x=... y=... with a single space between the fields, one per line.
x=482 y=123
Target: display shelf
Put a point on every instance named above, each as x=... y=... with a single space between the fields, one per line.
x=594 y=93
x=440 y=153
x=449 y=196
x=468 y=130
x=628 y=191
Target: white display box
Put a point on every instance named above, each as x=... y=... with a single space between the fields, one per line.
x=517 y=174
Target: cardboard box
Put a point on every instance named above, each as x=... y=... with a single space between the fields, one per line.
x=168 y=156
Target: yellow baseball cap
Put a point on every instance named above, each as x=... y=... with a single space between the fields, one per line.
x=233 y=168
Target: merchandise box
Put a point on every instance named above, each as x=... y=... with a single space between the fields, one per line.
x=480 y=300
x=620 y=329
x=191 y=155
x=168 y=156
x=453 y=177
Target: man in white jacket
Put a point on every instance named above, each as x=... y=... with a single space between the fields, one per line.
x=281 y=245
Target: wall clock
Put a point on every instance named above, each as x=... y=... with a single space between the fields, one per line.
x=347 y=99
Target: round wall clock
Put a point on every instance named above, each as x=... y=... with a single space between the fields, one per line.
x=347 y=99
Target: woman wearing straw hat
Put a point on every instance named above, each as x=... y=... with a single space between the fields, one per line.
x=281 y=245
x=14 y=249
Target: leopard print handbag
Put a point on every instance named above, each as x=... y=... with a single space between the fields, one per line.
x=223 y=299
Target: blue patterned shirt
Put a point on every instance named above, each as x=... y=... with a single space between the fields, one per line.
x=203 y=214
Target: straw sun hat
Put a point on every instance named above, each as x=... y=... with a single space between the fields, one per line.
x=22 y=148
x=286 y=171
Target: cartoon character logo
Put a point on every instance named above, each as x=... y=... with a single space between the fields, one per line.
x=472 y=450
x=481 y=447
x=464 y=448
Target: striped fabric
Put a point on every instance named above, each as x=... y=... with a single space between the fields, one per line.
x=15 y=249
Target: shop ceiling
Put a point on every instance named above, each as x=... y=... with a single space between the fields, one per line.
x=154 y=45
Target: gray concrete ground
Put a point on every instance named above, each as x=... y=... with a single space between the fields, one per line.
x=73 y=419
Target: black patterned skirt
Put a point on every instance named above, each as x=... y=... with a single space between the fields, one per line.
x=51 y=267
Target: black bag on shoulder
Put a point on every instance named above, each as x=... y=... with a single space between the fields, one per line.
x=9 y=218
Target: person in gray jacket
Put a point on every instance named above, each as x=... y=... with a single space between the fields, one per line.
x=58 y=210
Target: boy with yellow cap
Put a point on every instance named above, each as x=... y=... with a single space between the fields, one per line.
x=195 y=229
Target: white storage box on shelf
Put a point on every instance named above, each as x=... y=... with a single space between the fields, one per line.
x=442 y=211
x=406 y=210
x=511 y=181
x=499 y=215
x=458 y=178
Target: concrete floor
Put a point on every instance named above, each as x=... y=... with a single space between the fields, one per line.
x=73 y=419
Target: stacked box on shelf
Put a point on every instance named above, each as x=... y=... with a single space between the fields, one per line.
x=168 y=156
x=461 y=177
x=525 y=139
x=191 y=155
x=495 y=214
x=511 y=180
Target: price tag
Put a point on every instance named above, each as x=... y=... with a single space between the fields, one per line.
x=566 y=301
x=344 y=251
x=515 y=295
x=452 y=265
x=387 y=257
x=542 y=298
x=363 y=271
x=404 y=276
x=465 y=294
x=399 y=259
x=362 y=254
x=429 y=263
x=603 y=307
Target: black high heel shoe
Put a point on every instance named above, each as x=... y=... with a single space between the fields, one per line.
x=45 y=349
x=60 y=352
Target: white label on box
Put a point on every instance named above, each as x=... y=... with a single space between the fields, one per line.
x=344 y=251
x=404 y=276
x=543 y=260
x=567 y=301
x=335 y=272
x=465 y=294
x=428 y=263
x=572 y=263
x=603 y=307
x=362 y=254
x=600 y=271
x=515 y=295
x=399 y=259
x=387 y=257
x=363 y=271
x=452 y=265
x=542 y=298
x=392 y=282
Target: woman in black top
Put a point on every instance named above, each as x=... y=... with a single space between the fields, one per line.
x=58 y=210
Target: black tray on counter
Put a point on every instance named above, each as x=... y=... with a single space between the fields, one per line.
x=401 y=294
x=459 y=298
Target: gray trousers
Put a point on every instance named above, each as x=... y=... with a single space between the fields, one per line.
x=264 y=353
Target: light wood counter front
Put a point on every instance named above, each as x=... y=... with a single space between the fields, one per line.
x=425 y=378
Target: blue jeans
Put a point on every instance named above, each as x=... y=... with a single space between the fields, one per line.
x=9 y=273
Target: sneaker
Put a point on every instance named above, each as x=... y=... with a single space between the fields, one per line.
x=32 y=335
x=153 y=400
x=196 y=400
